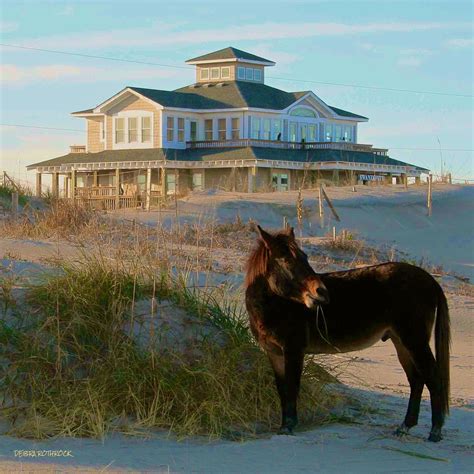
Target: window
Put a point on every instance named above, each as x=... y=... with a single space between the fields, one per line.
x=276 y=130
x=249 y=74
x=240 y=72
x=293 y=131
x=193 y=131
x=235 y=128
x=348 y=133
x=205 y=73
x=303 y=112
x=119 y=130
x=266 y=129
x=208 y=129
x=222 y=129
x=146 y=129
x=170 y=129
x=328 y=135
x=257 y=74
x=132 y=129
x=311 y=133
x=303 y=132
x=180 y=129
x=255 y=128
x=337 y=133
x=215 y=73
x=225 y=73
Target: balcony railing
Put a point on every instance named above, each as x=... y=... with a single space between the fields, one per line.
x=245 y=142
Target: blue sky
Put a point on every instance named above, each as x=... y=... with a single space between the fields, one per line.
x=415 y=45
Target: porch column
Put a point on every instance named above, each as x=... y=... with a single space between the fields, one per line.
x=252 y=176
x=418 y=180
x=66 y=186
x=335 y=177
x=55 y=185
x=94 y=179
x=163 y=182
x=176 y=182
x=73 y=184
x=117 y=188
x=38 y=184
x=148 y=189
x=405 y=180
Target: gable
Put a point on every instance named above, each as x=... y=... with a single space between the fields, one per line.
x=131 y=102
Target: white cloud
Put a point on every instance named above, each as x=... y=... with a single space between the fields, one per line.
x=409 y=61
x=416 y=51
x=8 y=26
x=20 y=75
x=460 y=43
x=164 y=35
x=68 y=10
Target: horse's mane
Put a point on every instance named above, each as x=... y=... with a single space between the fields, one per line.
x=257 y=264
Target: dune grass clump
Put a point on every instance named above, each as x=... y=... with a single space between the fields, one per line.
x=59 y=219
x=71 y=367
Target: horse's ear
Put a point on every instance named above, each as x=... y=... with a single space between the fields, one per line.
x=291 y=232
x=267 y=239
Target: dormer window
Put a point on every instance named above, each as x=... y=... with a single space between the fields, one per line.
x=205 y=73
x=214 y=73
x=225 y=73
x=241 y=73
x=257 y=74
x=249 y=74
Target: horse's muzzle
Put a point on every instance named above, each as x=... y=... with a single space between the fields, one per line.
x=319 y=296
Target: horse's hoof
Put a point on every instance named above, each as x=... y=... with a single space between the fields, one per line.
x=401 y=431
x=285 y=430
x=435 y=437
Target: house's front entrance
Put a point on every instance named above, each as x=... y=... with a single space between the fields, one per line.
x=280 y=181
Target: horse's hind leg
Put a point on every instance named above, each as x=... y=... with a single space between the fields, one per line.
x=416 y=388
x=426 y=364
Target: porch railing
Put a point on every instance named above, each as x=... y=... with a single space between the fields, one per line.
x=245 y=142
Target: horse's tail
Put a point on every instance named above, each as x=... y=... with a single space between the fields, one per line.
x=442 y=345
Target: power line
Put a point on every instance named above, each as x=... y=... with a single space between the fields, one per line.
x=83 y=131
x=148 y=63
x=44 y=128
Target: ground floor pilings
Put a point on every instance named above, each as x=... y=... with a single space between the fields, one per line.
x=112 y=185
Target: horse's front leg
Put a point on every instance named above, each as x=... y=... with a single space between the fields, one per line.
x=287 y=369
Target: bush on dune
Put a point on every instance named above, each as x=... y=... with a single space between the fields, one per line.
x=74 y=369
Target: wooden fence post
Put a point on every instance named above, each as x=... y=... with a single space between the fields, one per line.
x=430 y=191
x=117 y=188
x=321 y=209
x=336 y=216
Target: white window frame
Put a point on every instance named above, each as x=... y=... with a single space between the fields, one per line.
x=255 y=120
x=180 y=132
x=129 y=129
x=201 y=75
x=241 y=73
x=123 y=129
x=142 y=128
x=214 y=70
x=235 y=132
x=227 y=75
x=206 y=131
x=257 y=75
x=220 y=130
x=172 y=128
x=249 y=73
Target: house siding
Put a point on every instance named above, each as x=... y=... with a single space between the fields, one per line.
x=94 y=143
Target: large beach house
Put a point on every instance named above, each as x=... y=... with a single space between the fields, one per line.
x=227 y=130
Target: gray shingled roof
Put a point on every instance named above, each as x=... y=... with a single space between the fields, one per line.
x=243 y=153
x=229 y=53
x=230 y=95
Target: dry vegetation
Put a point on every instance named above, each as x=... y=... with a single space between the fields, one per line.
x=69 y=366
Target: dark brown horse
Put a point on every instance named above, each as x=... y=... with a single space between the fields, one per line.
x=359 y=307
